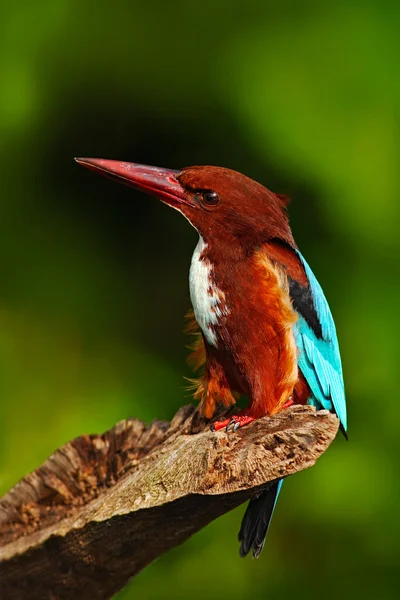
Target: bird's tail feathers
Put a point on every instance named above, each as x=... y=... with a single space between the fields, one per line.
x=256 y=520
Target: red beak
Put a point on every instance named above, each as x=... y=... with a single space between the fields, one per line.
x=156 y=181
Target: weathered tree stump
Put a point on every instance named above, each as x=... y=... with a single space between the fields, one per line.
x=102 y=507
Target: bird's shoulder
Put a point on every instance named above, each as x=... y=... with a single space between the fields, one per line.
x=315 y=331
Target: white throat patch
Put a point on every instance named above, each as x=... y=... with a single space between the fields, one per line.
x=208 y=301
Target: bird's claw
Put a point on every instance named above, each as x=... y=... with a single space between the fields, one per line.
x=290 y=402
x=233 y=423
x=218 y=425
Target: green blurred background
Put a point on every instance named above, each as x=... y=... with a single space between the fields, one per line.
x=302 y=96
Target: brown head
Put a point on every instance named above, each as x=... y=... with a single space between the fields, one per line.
x=223 y=205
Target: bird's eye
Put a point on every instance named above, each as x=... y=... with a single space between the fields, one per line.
x=210 y=198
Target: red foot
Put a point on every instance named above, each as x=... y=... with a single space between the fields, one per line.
x=288 y=403
x=233 y=423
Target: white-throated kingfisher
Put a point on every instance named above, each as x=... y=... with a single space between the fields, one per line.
x=266 y=328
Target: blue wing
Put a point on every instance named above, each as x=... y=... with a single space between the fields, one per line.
x=319 y=358
x=319 y=361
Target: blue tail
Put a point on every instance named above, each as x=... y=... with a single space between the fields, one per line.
x=256 y=520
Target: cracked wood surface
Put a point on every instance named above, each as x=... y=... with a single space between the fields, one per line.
x=102 y=507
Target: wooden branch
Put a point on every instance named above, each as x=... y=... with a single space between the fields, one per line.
x=102 y=507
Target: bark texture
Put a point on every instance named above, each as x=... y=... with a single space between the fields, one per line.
x=102 y=507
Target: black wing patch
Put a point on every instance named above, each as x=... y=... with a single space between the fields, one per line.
x=303 y=303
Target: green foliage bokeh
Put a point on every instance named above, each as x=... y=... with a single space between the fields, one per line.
x=305 y=98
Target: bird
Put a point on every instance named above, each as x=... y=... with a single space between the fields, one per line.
x=265 y=329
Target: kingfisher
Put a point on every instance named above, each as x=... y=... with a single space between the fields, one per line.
x=264 y=326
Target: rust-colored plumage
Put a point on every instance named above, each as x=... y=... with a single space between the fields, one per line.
x=237 y=217
x=258 y=355
x=250 y=260
x=243 y=313
x=261 y=324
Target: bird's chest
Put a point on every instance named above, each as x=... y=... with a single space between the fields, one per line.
x=207 y=298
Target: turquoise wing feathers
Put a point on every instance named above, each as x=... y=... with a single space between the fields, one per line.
x=319 y=358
